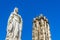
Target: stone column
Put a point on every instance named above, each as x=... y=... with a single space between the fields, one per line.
x=41 y=30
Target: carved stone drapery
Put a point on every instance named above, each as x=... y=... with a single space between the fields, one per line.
x=14 y=26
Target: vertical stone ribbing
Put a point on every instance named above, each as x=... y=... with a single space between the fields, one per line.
x=41 y=30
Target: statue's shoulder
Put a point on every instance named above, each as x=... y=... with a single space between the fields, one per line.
x=19 y=15
x=12 y=14
x=11 y=17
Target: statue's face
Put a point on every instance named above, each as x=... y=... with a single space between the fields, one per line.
x=16 y=10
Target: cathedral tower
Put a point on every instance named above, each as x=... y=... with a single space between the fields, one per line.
x=41 y=30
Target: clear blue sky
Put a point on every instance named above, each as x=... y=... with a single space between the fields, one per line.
x=29 y=9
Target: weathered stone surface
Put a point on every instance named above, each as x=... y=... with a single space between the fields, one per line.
x=14 y=26
x=41 y=30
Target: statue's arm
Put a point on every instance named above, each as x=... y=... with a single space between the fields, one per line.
x=9 y=25
x=21 y=22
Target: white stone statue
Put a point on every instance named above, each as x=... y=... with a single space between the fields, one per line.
x=14 y=26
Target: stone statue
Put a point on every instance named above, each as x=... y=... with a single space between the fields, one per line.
x=14 y=26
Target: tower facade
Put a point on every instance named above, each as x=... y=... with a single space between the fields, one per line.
x=14 y=26
x=41 y=29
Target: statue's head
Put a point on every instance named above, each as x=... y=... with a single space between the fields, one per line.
x=16 y=10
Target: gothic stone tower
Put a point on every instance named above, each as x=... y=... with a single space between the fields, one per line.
x=14 y=26
x=41 y=30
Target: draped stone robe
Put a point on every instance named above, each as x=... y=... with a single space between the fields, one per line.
x=14 y=27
